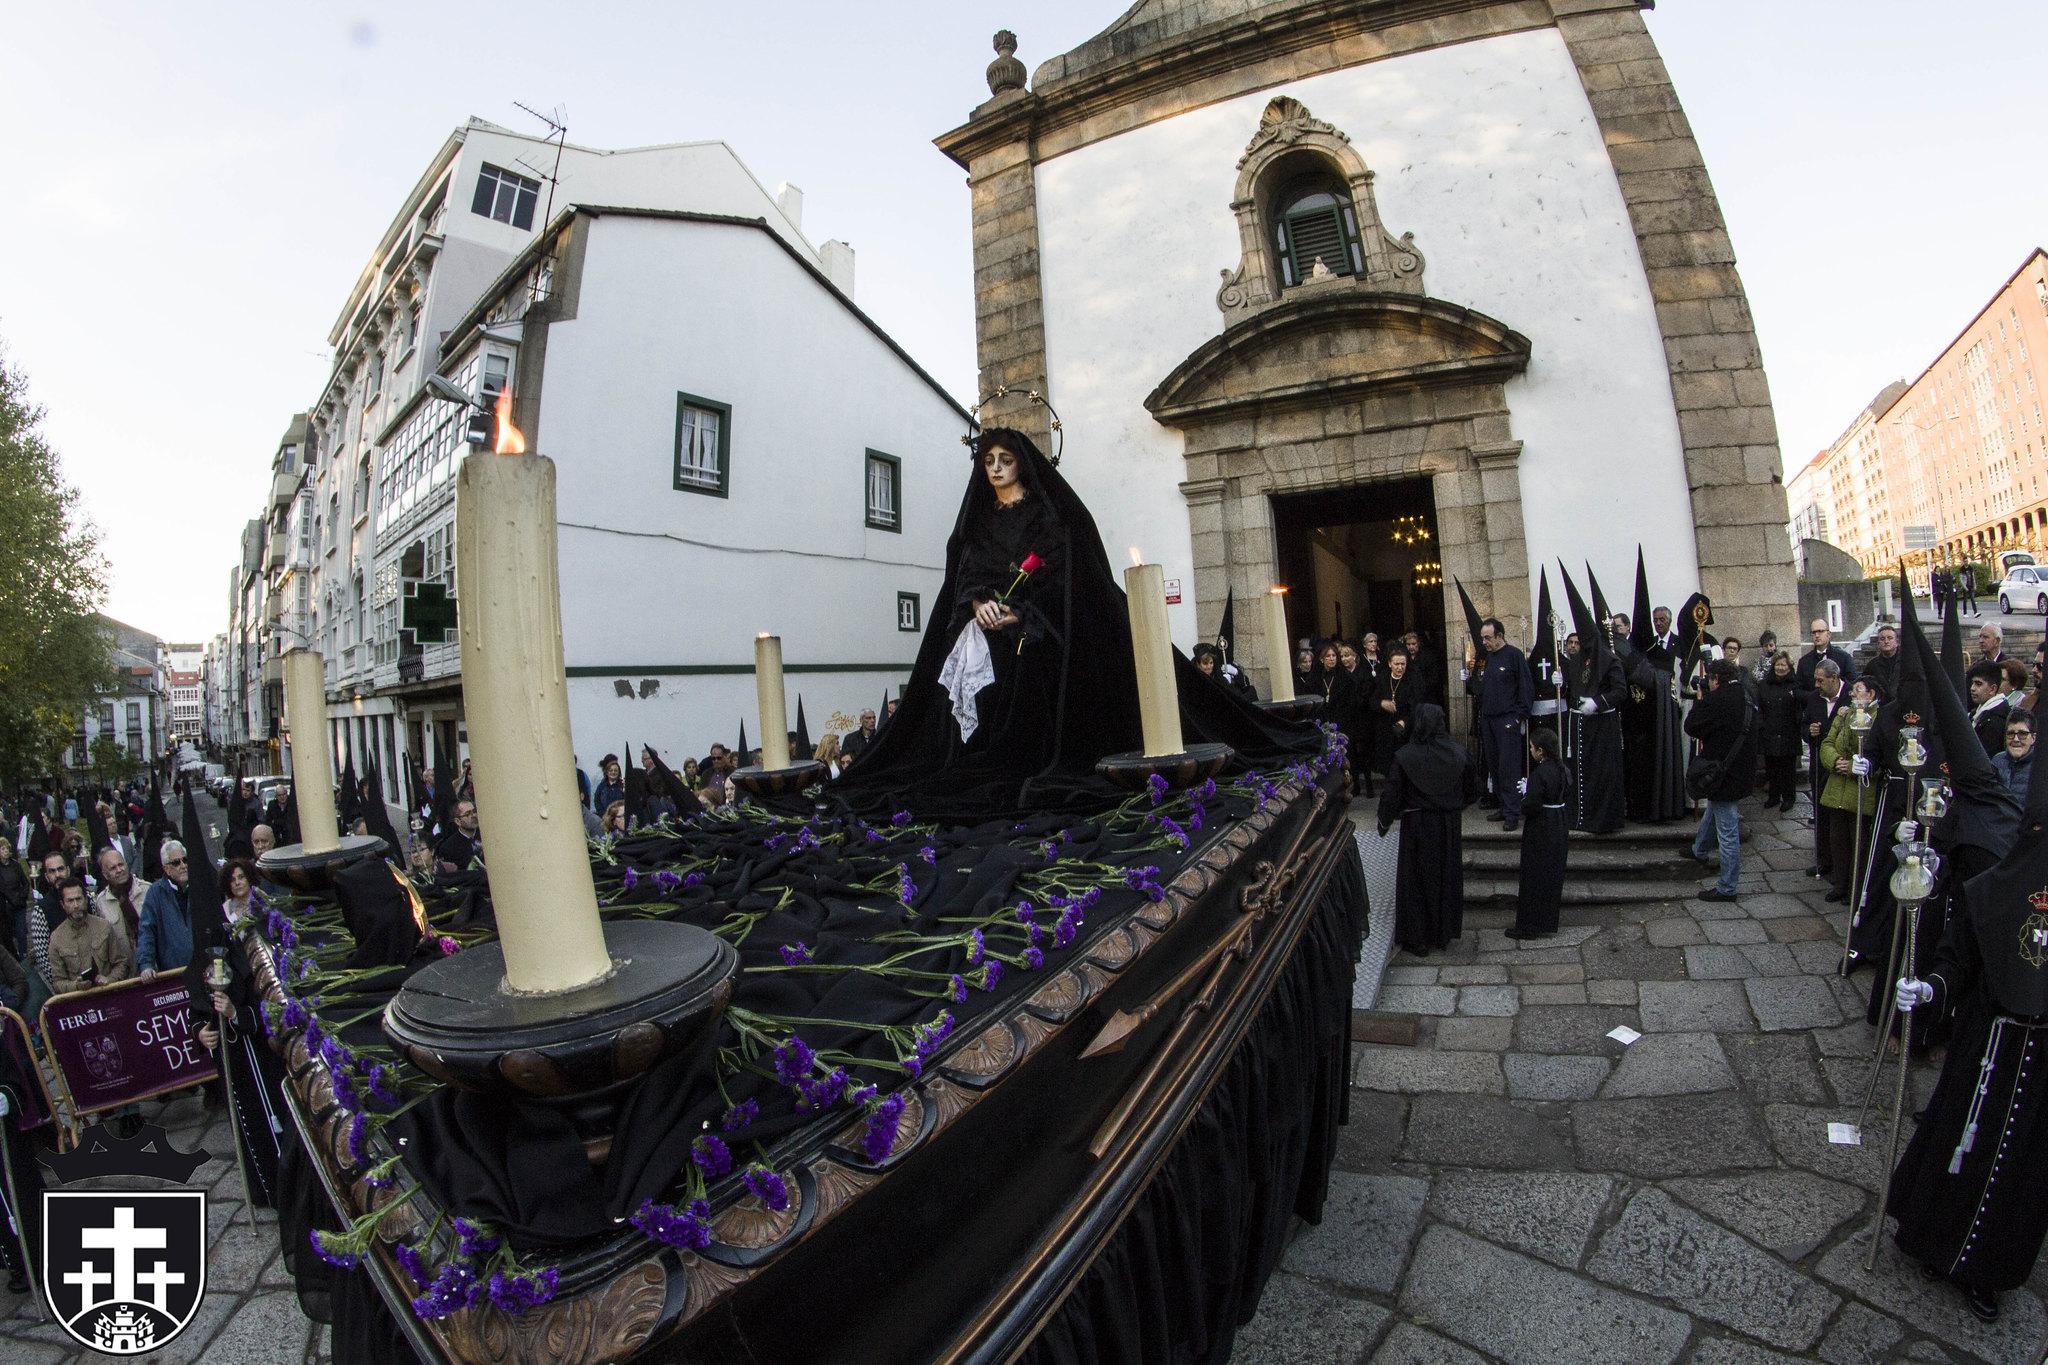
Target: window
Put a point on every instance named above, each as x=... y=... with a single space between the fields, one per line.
x=497 y=372
x=885 y=492
x=504 y=196
x=1314 y=220
x=909 y=612
x=703 y=444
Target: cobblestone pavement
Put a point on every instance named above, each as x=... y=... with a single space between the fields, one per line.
x=1520 y=1187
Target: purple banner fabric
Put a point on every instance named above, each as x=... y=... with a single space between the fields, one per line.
x=125 y=1042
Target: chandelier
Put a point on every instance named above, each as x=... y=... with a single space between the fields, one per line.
x=1410 y=530
x=1429 y=573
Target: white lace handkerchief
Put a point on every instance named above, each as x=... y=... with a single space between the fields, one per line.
x=968 y=670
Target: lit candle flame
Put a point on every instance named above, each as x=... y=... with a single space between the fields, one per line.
x=510 y=441
x=1277 y=590
x=1136 y=558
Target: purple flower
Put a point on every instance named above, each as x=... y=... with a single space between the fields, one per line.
x=358 y=1129
x=1069 y=925
x=1024 y=912
x=448 y=946
x=630 y=880
x=667 y=881
x=345 y=1091
x=455 y=1288
x=295 y=1015
x=873 y=836
x=343 y=1260
x=991 y=972
x=1156 y=785
x=880 y=1138
x=740 y=1116
x=929 y=854
x=712 y=1156
x=795 y=954
x=766 y=1186
x=816 y=1095
x=900 y=819
x=689 y=1227
x=1174 y=833
x=1049 y=849
x=1197 y=815
x=380 y=1090
x=862 y=1095
x=925 y=1040
x=906 y=889
x=694 y=879
x=958 y=990
x=408 y=1258
x=977 y=948
x=1034 y=957
x=514 y=1294
x=793 y=1060
x=475 y=1240
x=1207 y=791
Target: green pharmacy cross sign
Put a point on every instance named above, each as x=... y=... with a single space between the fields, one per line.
x=428 y=613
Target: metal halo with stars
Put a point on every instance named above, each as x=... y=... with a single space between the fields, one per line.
x=1004 y=391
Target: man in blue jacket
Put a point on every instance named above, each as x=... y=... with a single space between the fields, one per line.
x=1503 y=691
x=163 y=936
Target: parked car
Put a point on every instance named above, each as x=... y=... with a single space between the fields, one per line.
x=2025 y=589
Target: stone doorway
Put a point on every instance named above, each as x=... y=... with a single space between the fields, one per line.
x=1362 y=558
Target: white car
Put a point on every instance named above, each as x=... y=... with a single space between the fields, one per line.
x=2025 y=590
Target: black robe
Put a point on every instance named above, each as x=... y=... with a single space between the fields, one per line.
x=1392 y=731
x=1599 y=802
x=254 y=1072
x=1545 y=843
x=1971 y=1190
x=1358 y=722
x=1431 y=782
x=1065 y=695
x=1653 y=739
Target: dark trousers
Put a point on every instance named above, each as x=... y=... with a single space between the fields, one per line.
x=1842 y=848
x=1780 y=779
x=1500 y=749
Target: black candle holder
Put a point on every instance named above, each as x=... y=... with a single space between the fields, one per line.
x=1135 y=771
x=768 y=783
x=312 y=872
x=581 y=1050
x=1295 y=709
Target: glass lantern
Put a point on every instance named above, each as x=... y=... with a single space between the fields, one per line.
x=1934 y=796
x=1862 y=715
x=1913 y=882
x=1912 y=749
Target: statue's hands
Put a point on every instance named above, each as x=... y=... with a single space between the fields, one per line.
x=994 y=615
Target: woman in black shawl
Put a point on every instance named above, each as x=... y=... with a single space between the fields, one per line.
x=1395 y=697
x=1430 y=784
x=1024 y=680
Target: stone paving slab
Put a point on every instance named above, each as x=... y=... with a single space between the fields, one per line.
x=1789 y=1212
x=1299 y=1321
x=1408 y=1344
x=1551 y=1214
x=1554 y=1076
x=1694 y=1007
x=1656 y=1138
x=1362 y=1242
x=1670 y=1064
x=1935 y=1309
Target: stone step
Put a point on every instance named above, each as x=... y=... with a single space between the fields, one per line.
x=1490 y=891
x=1587 y=859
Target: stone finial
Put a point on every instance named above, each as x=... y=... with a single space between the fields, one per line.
x=1006 y=72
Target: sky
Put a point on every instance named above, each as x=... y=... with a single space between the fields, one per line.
x=196 y=187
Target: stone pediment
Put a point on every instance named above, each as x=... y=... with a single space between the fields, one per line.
x=1320 y=346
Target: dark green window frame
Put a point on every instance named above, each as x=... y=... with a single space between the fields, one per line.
x=724 y=413
x=1341 y=215
x=911 y=600
x=875 y=457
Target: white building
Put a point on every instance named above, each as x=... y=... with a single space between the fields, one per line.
x=182 y=667
x=727 y=301
x=1473 y=280
x=133 y=712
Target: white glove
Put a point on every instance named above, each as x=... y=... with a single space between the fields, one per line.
x=1589 y=707
x=1522 y=786
x=1912 y=994
x=1908 y=831
x=1860 y=766
x=1464 y=675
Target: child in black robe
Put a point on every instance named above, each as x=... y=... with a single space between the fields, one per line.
x=1546 y=800
x=1429 y=784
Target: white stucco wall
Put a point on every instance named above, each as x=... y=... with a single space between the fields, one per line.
x=652 y=575
x=1489 y=153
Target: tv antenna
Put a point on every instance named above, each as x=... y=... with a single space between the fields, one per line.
x=558 y=134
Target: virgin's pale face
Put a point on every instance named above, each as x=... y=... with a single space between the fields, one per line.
x=999 y=465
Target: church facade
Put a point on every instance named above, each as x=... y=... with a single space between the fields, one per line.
x=1364 y=298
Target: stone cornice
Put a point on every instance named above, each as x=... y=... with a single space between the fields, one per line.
x=1480 y=349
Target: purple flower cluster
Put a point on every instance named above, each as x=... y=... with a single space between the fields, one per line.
x=454 y=1289
x=358 y=1129
x=880 y=1137
x=795 y=954
x=906 y=889
x=514 y=1294
x=1071 y=918
x=1145 y=880
x=448 y=946
x=1156 y=786
x=793 y=1060
x=977 y=948
x=925 y=1040
x=1207 y=791
x=900 y=819
x=958 y=989
x=380 y=1088
x=474 y=1240
x=408 y=1258
x=766 y=1186
x=815 y=1095
x=1175 y=834
x=341 y=1260
x=694 y=879
x=991 y=973
x=630 y=880
x=929 y=854
x=1034 y=957
x=741 y=1115
x=712 y=1156
x=688 y=1227
x=667 y=881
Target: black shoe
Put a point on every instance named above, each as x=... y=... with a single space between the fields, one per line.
x=1982 y=1302
x=1837 y=897
x=1520 y=934
x=1495 y=815
x=1715 y=893
x=1813 y=870
x=1510 y=826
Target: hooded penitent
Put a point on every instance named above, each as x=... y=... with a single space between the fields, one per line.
x=156 y=823
x=1226 y=630
x=350 y=806
x=1544 y=658
x=1983 y=813
x=1953 y=664
x=377 y=816
x=1642 y=632
x=1065 y=694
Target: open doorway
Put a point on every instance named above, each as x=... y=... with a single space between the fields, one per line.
x=1362 y=558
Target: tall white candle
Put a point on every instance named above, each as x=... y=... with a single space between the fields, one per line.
x=516 y=703
x=305 y=710
x=774 y=706
x=1279 y=652
x=1152 y=653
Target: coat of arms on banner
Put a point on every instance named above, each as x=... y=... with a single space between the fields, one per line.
x=124 y=1270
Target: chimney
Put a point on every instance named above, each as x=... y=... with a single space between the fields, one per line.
x=790 y=200
x=837 y=258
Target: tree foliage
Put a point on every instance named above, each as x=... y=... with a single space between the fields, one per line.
x=55 y=651
x=110 y=760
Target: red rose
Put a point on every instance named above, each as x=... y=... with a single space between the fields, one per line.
x=1032 y=564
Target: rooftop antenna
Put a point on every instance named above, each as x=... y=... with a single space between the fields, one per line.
x=558 y=133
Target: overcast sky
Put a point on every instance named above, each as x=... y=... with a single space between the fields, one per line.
x=195 y=188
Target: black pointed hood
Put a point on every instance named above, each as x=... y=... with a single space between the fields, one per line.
x=444 y=794
x=1472 y=622
x=1983 y=813
x=204 y=879
x=636 y=785
x=1592 y=639
x=803 y=733
x=156 y=824
x=1543 y=651
x=1226 y=630
x=1642 y=633
x=1953 y=662
x=679 y=791
x=377 y=815
x=96 y=829
x=744 y=751
x=350 y=806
